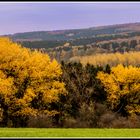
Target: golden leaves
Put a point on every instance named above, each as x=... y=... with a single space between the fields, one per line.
x=113 y=59
x=122 y=82
x=24 y=75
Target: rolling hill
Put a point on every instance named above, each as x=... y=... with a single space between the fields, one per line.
x=72 y=34
x=66 y=44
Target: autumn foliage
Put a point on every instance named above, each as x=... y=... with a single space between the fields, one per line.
x=123 y=88
x=29 y=82
x=113 y=59
x=36 y=91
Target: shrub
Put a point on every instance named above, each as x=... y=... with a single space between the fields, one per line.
x=40 y=121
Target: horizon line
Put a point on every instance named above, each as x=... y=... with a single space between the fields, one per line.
x=70 y=28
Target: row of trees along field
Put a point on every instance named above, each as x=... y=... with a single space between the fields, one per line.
x=113 y=59
x=38 y=92
x=64 y=50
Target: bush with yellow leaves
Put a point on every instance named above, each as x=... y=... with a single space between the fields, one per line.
x=29 y=82
x=123 y=88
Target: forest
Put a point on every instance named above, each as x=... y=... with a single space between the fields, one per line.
x=105 y=43
x=63 y=45
x=37 y=91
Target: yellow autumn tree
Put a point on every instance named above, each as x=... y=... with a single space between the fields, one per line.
x=113 y=59
x=29 y=82
x=123 y=88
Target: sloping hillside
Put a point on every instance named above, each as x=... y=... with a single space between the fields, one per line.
x=76 y=33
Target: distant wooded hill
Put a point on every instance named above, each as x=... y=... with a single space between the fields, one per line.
x=67 y=35
x=65 y=44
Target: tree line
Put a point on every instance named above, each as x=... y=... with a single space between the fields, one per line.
x=36 y=91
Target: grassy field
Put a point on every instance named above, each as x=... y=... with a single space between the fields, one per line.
x=68 y=132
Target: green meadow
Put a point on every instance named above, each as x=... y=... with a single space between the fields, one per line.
x=68 y=132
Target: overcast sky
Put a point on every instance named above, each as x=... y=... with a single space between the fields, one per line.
x=37 y=16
